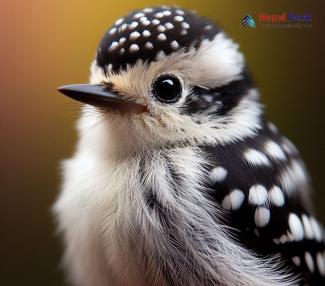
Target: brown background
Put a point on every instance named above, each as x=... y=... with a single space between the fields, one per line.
x=45 y=44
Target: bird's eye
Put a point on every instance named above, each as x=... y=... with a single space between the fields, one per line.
x=167 y=88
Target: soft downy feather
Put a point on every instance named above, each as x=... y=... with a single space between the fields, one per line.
x=180 y=239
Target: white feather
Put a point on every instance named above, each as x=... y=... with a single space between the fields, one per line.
x=112 y=239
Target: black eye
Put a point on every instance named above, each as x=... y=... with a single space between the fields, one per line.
x=167 y=88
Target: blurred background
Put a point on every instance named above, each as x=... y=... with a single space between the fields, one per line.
x=45 y=44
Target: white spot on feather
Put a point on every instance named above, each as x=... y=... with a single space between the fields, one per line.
x=274 y=150
x=273 y=128
x=276 y=240
x=308 y=230
x=283 y=239
x=234 y=200
x=145 y=23
x=160 y=55
x=218 y=174
x=133 y=25
x=174 y=45
x=293 y=177
x=167 y=13
x=119 y=21
x=185 y=25
x=148 y=45
x=276 y=196
x=138 y=15
x=159 y=15
x=310 y=262
x=179 y=18
x=257 y=195
x=147 y=10
x=113 y=30
x=296 y=260
x=316 y=229
x=298 y=171
x=255 y=157
x=262 y=216
x=113 y=46
x=161 y=28
x=123 y=27
x=162 y=37
x=320 y=263
x=296 y=227
x=146 y=33
x=289 y=147
x=121 y=40
x=134 y=48
x=169 y=26
x=134 y=35
x=179 y=12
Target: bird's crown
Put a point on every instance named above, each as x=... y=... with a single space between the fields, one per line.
x=151 y=33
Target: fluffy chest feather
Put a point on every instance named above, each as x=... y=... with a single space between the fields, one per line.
x=148 y=219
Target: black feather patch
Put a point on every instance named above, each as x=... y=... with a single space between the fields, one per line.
x=219 y=100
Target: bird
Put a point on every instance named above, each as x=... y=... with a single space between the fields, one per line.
x=178 y=178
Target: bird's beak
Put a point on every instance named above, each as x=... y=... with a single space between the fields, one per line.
x=97 y=96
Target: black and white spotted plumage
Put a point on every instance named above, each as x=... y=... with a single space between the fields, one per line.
x=201 y=190
x=149 y=33
x=263 y=184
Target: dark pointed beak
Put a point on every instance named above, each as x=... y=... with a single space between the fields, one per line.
x=97 y=96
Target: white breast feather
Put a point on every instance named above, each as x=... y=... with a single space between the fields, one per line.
x=111 y=238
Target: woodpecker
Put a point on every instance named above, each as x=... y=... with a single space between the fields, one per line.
x=178 y=178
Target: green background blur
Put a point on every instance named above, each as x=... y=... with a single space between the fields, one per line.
x=45 y=44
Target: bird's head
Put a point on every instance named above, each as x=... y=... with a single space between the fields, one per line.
x=165 y=76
